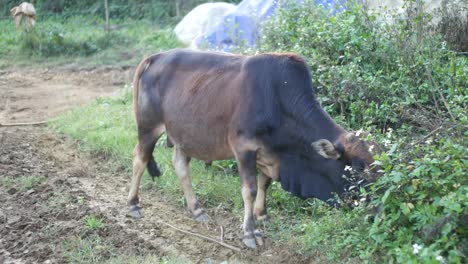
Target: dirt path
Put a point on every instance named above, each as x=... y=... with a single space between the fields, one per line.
x=48 y=190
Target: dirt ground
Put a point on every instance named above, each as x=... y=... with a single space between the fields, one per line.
x=48 y=188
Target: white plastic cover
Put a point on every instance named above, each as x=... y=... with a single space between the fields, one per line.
x=200 y=19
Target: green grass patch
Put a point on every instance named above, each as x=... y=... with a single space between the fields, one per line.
x=93 y=222
x=82 y=40
x=23 y=183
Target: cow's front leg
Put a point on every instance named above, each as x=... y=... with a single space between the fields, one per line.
x=182 y=168
x=260 y=210
x=247 y=170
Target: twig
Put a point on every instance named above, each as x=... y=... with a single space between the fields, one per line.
x=434 y=87
x=24 y=124
x=430 y=134
x=201 y=236
x=222 y=233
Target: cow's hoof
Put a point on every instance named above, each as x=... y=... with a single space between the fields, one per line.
x=262 y=218
x=250 y=242
x=259 y=238
x=135 y=212
x=201 y=217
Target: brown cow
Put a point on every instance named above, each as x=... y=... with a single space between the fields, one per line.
x=260 y=110
x=24 y=9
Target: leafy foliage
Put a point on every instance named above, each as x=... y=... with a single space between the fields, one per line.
x=368 y=72
x=385 y=78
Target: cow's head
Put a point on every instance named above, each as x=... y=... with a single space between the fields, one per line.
x=14 y=11
x=349 y=148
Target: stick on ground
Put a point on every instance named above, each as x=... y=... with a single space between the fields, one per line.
x=201 y=236
x=24 y=124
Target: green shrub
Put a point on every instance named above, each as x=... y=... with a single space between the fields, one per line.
x=424 y=202
x=371 y=73
x=388 y=77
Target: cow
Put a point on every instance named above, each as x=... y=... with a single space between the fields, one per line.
x=260 y=110
x=24 y=9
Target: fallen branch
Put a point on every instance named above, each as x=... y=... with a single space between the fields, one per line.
x=201 y=236
x=24 y=124
x=222 y=233
x=435 y=87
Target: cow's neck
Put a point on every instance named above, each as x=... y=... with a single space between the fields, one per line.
x=312 y=121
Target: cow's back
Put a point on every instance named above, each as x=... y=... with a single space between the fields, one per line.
x=200 y=95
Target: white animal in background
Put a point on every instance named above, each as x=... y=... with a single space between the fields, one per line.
x=27 y=10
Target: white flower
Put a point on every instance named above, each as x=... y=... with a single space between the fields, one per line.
x=440 y=258
x=386 y=142
x=359 y=132
x=348 y=168
x=416 y=248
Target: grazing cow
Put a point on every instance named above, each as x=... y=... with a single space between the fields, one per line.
x=24 y=9
x=260 y=110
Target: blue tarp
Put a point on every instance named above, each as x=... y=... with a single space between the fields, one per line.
x=243 y=25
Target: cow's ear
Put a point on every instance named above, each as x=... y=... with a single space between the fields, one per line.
x=13 y=11
x=326 y=149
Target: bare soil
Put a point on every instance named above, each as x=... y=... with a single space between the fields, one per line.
x=39 y=223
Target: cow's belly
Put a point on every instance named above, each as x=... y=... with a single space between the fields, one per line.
x=200 y=140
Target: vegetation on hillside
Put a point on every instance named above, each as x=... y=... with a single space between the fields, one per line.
x=406 y=86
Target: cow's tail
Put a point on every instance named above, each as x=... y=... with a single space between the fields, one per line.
x=136 y=80
x=152 y=166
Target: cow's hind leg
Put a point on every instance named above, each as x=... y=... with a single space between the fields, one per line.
x=142 y=158
x=182 y=168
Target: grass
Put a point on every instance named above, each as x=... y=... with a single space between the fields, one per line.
x=93 y=222
x=22 y=182
x=95 y=249
x=82 y=41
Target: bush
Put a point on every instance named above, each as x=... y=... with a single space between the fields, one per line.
x=424 y=202
x=370 y=73
x=401 y=81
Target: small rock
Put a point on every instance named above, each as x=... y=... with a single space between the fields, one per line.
x=11 y=191
x=3 y=218
x=13 y=220
x=30 y=192
x=73 y=180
